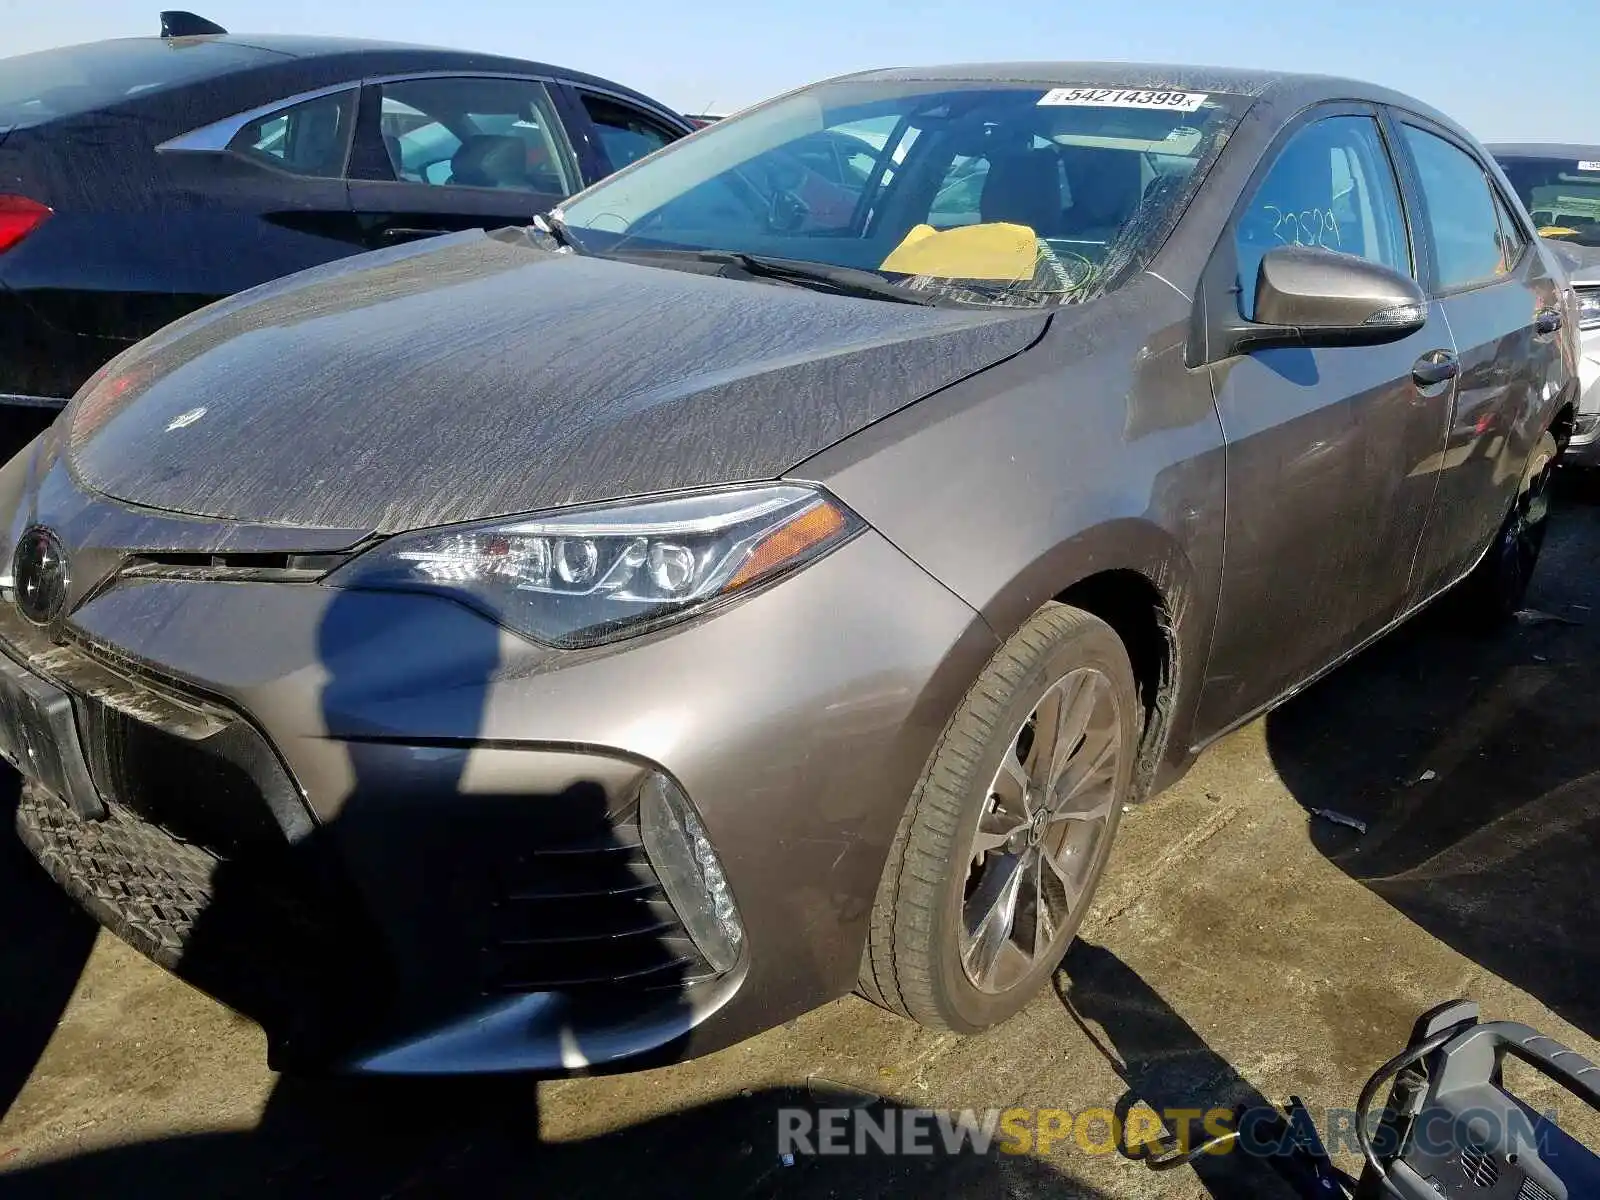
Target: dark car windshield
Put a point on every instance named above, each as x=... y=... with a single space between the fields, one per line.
x=1562 y=194
x=1000 y=193
x=78 y=79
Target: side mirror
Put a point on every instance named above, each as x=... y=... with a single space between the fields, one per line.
x=1307 y=296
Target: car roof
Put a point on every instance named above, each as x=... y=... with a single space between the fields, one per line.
x=1279 y=86
x=307 y=47
x=1543 y=150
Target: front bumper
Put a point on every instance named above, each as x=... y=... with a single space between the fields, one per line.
x=414 y=849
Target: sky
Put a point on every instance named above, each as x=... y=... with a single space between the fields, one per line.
x=1506 y=70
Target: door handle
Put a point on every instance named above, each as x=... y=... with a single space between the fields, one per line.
x=1434 y=368
x=1547 y=321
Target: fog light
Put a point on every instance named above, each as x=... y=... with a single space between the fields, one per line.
x=689 y=870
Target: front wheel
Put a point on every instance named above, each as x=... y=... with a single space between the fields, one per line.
x=999 y=853
x=1495 y=590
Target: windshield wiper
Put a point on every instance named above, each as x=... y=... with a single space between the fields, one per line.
x=843 y=281
x=847 y=281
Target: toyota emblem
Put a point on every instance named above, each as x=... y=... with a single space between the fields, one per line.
x=39 y=574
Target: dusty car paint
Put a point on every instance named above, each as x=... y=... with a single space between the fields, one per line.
x=1270 y=513
x=565 y=354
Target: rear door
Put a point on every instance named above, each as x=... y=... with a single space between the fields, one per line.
x=1332 y=452
x=440 y=153
x=1503 y=310
x=259 y=196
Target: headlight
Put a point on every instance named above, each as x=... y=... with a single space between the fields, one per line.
x=586 y=576
x=1589 y=309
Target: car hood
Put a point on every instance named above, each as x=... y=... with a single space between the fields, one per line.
x=1581 y=263
x=478 y=375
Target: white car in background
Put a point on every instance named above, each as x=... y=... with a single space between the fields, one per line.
x=1560 y=186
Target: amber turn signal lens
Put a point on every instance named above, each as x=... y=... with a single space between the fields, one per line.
x=817 y=524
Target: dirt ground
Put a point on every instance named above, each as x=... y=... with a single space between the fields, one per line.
x=1242 y=950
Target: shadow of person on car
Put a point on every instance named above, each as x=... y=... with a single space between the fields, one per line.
x=1474 y=762
x=44 y=943
x=1166 y=1064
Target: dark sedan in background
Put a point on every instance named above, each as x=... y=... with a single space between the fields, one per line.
x=141 y=178
x=597 y=642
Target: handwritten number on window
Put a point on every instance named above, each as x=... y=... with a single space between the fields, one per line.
x=1306 y=227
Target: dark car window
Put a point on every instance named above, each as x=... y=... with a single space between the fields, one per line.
x=475 y=132
x=626 y=134
x=1461 y=210
x=78 y=79
x=1332 y=186
x=309 y=138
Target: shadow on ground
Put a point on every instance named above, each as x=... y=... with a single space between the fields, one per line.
x=481 y=1138
x=1165 y=1063
x=1479 y=777
x=44 y=942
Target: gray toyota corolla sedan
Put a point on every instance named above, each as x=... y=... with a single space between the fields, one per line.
x=771 y=575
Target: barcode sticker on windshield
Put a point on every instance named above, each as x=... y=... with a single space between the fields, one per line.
x=1124 y=98
x=1589 y=166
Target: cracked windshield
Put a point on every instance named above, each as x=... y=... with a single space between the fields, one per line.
x=993 y=194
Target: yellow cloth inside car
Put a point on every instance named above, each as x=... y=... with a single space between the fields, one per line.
x=993 y=251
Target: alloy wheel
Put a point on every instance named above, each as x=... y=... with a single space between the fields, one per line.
x=1040 y=833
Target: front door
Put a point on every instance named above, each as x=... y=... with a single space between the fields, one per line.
x=1332 y=453
x=445 y=153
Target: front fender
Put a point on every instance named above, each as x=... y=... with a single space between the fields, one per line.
x=1094 y=451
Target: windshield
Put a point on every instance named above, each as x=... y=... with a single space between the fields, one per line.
x=78 y=79
x=1561 y=194
x=996 y=193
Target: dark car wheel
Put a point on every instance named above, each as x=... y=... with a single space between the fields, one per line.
x=1495 y=590
x=1000 y=850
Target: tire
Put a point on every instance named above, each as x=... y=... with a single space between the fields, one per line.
x=1494 y=591
x=921 y=959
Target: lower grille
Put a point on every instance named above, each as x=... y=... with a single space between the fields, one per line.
x=265 y=934
x=206 y=860
x=141 y=884
x=587 y=912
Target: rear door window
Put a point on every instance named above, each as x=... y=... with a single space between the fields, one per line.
x=475 y=132
x=1513 y=239
x=1467 y=238
x=311 y=138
